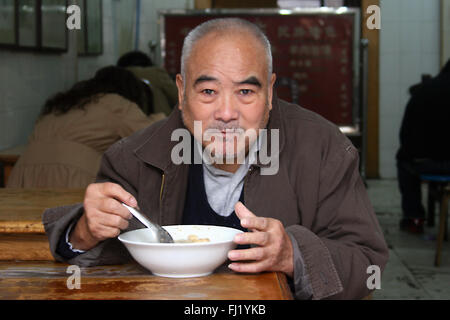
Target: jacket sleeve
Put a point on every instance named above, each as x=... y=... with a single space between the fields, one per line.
x=57 y=220
x=345 y=237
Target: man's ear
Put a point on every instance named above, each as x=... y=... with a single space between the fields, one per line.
x=273 y=78
x=180 y=86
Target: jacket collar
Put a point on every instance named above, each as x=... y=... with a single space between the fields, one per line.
x=157 y=148
x=275 y=122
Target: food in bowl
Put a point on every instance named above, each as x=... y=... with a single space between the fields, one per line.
x=192 y=238
x=181 y=259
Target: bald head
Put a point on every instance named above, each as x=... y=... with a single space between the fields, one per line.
x=225 y=27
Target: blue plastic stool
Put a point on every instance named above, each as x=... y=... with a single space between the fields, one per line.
x=441 y=186
x=435 y=178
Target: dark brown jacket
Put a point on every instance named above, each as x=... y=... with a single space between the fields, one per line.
x=317 y=194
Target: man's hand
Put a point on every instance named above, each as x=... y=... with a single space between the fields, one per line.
x=274 y=250
x=104 y=215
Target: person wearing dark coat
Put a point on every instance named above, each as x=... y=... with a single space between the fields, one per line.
x=424 y=147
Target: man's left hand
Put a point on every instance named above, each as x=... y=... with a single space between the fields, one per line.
x=274 y=250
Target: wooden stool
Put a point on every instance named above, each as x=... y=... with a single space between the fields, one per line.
x=441 y=186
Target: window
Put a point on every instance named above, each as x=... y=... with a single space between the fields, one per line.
x=38 y=25
x=90 y=37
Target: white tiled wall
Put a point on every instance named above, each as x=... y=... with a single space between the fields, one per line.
x=409 y=47
x=28 y=79
x=150 y=19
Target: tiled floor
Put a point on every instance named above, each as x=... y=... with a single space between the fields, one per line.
x=410 y=272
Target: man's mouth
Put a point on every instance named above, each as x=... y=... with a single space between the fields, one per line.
x=228 y=131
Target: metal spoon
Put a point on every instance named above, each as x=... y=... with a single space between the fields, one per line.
x=159 y=234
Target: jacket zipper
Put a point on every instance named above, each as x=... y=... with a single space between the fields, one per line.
x=246 y=178
x=161 y=189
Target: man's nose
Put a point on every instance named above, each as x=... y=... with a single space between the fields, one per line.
x=226 y=110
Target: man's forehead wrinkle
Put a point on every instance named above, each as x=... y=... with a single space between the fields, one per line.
x=201 y=68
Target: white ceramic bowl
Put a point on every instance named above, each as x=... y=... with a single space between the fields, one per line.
x=181 y=260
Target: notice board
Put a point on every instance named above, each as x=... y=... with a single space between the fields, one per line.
x=314 y=48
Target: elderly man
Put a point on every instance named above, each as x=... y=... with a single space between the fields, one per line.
x=309 y=218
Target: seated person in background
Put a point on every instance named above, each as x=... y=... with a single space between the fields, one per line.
x=424 y=144
x=77 y=126
x=164 y=90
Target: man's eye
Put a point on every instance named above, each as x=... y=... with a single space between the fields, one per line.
x=245 y=91
x=208 y=91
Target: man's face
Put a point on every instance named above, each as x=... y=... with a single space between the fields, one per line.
x=227 y=89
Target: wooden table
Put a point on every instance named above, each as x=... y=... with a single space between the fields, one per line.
x=28 y=271
x=48 y=280
x=22 y=234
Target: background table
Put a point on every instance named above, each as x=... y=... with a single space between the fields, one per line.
x=48 y=280
x=22 y=234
